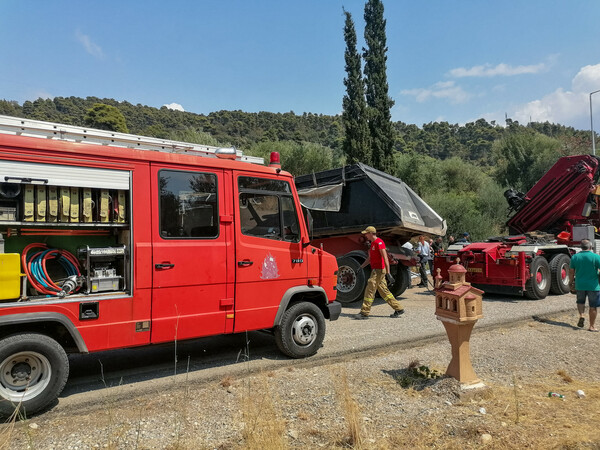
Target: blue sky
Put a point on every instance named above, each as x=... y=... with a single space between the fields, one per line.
x=455 y=61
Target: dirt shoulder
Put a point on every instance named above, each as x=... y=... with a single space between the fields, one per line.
x=373 y=401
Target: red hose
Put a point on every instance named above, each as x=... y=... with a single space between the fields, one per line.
x=52 y=254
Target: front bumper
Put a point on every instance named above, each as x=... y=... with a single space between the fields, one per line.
x=335 y=309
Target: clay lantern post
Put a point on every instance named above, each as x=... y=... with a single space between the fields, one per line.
x=458 y=305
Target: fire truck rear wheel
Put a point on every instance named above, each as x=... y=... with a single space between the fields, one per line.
x=559 y=270
x=538 y=286
x=33 y=371
x=301 y=331
x=351 y=280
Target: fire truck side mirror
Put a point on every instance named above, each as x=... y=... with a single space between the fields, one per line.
x=305 y=242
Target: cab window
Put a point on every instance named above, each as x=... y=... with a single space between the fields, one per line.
x=188 y=205
x=267 y=209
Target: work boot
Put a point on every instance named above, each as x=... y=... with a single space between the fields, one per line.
x=360 y=316
x=397 y=313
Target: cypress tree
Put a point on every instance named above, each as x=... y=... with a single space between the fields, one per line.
x=356 y=139
x=379 y=103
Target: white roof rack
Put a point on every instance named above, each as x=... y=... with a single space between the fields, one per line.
x=37 y=128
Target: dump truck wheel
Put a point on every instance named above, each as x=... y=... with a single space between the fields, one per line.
x=559 y=271
x=351 y=280
x=33 y=372
x=538 y=286
x=402 y=277
x=301 y=331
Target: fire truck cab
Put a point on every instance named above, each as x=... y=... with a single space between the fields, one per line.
x=110 y=240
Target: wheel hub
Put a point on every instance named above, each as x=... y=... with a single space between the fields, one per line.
x=304 y=330
x=21 y=372
x=346 y=279
x=541 y=278
x=24 y=375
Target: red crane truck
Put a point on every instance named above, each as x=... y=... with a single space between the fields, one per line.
x=111 y=240
x=559 y=211
x=344 y=201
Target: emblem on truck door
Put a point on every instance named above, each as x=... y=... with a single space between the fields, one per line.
x=269 y=269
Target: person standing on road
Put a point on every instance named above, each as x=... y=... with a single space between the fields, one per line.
x=380 y=276
x=437 y=246
x=424 y=252
x=584 y=282
x=451 y=240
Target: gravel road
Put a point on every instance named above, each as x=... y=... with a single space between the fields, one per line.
x=215 y=357
x=201 y=407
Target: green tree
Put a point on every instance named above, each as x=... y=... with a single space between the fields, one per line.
x=298 y=158
x=523 y=156
x=194 y=136
x=106 y=117
x=356 y=139
x=379 y=102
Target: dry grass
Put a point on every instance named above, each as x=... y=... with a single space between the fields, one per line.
x=263 y=428
x=519 y=414
x=226 y=382
x=8 y=429
x=350 y=410
x=539 y=422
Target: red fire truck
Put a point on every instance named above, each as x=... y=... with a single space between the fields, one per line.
x=111 y=240
x=547 y=224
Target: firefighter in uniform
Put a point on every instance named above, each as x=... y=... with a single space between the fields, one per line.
x=380 y=276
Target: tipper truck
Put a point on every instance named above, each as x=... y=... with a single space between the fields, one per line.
x=547 y=222
x=343 y=201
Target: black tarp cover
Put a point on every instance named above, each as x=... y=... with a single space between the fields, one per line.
x=368 y=197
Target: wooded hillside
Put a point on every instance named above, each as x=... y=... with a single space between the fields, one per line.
x=441 y=140
x=460 y=170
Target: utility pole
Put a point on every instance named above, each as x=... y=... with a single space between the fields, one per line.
x=592 y=124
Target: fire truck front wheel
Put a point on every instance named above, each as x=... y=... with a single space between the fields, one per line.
x=301 y=331
x=538 y=286
x=33 y=372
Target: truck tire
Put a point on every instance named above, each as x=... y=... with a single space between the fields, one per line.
x=538 y=286
x=402 y=276
x=351 y=280
x=33 y=371
x=559 y=271
x=301 y=331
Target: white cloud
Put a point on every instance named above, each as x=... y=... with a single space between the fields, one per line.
x=487 y=70
x=561 y=106
x=89 y=46
x=41 y=94
x=175 y=106
x=442 y=89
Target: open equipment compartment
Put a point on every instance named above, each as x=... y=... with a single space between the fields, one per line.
x=70 y=227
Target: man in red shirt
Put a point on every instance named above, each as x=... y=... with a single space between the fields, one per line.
x=380 y=276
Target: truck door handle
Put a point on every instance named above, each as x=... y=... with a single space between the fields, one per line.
x=164 y=266
x=245 y=263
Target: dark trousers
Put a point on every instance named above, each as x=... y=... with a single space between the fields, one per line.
x=422 y=270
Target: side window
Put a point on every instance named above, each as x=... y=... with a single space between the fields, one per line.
x=259 y=215
x=188 y=204
x=291 y=227
x=267 y=209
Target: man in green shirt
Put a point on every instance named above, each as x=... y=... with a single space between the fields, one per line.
x=584 y=282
